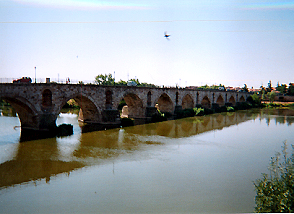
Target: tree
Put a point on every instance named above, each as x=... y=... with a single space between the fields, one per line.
x=245 y=88
x=282 y=88
x=254 y=99
x=106 y=79
x=122 y=83
x=271 y=96
x=275 y=192
x=291 y=89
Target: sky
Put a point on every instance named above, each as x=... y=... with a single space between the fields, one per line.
x=229 y=42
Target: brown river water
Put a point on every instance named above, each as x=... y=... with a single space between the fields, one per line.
x=194 y=165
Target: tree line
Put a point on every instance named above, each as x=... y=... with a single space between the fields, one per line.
x=108 y=79
x=283 y=88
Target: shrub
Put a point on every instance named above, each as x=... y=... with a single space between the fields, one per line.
x=127 y=122
x=198 y=111
x=208 y=111
x=230 y=109
x=254 y=100
x=185 y=113
x=158 y=116
x=275 y=192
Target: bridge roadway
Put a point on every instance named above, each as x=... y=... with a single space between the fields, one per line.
x=39 y=104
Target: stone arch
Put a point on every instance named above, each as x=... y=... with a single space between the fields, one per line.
x=220 y=100
x=232 y=100
x=187 y=102
x=177 y=98
x=149 y=98
x=135 y=105
x=89 y=111
x=26 y=112
x=205 y=102
x=108 y=99
x=46 y=98
x=165 y=103
x=242 y=99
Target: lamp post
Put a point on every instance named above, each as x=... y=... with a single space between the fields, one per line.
x=35 y=74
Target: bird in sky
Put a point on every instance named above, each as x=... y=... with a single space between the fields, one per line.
x=166 y=35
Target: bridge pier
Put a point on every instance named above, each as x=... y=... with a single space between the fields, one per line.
x=47 y=121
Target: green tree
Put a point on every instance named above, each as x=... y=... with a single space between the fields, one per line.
x=122 y=83
x=275 y=192
x=291 y=89
x=245 y=88
x=254 y=99
x=106 y=79
x=282 y=88
x=271 y=96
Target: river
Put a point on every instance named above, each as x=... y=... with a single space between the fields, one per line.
x=194 y=165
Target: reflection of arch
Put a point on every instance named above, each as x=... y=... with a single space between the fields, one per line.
x=205 y=102
x=135 y=105
x=25 y=110
x=149 y=99
x=219 y=119
x=186 y=127
x=108 y=100
x=165 y=104
x=164 y=129
x=187 y=102
x=232 y=100
x=242 y=99
x=47 y=98
x=220 y=101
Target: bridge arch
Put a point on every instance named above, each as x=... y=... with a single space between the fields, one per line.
x=242 y=99
x=232 y=100
x=220 y=101
x=89 y=111
x=187 y=102
x=165 y=103
x=205 y=102
x=135 y=105
x=26 y=112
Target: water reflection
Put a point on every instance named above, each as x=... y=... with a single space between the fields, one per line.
x=33 y=161
x=42 y=159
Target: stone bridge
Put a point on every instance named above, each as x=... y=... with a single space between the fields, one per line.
x=39 y=104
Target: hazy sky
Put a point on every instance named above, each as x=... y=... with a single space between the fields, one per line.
x=231 y=42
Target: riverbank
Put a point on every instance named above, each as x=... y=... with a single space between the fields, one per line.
x=280 y=105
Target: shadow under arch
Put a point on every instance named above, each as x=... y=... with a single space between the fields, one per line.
x=220 y=101
x=135 y=105
x=187 y=102
x=26 y=112
x=89 y=112
x=242 y=99
x=232 y=100
x=165 y=103
x=205 y=102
